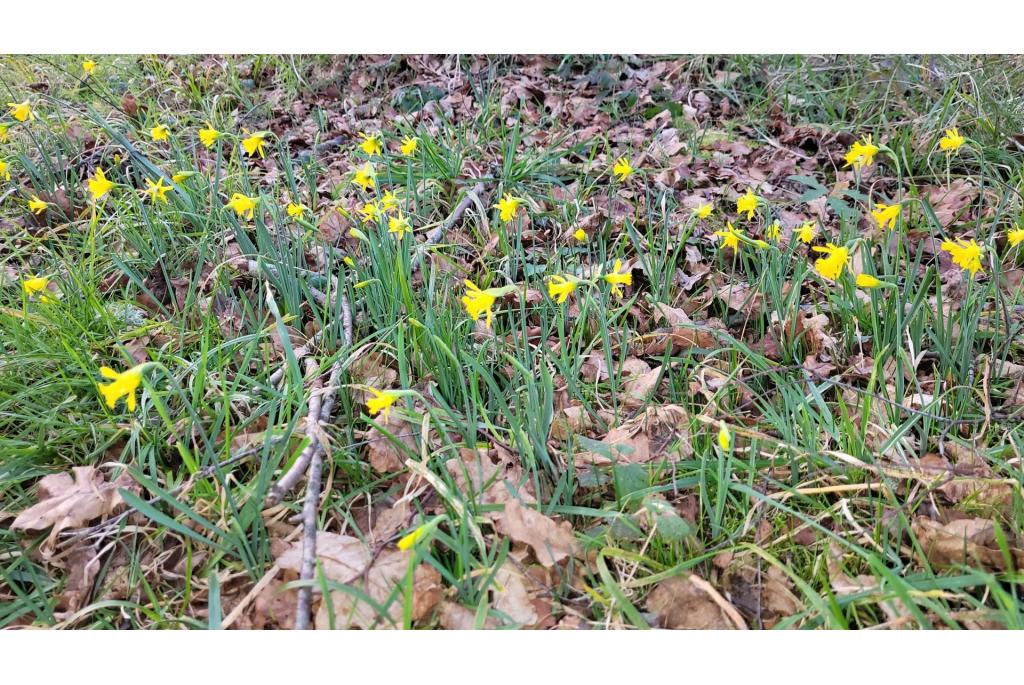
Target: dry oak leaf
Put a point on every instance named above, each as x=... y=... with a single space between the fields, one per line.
x=679 y=604
x=518 y=596
x=457 y=617
x=384 y=455
x=71 y=502
x=964 y=541
x=578 y=421
x=644 y=437
x=344 y=560
x=551 y=542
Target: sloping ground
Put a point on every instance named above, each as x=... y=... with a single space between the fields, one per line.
x=576 y=343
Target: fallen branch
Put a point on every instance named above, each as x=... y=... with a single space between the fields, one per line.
x=434 y=235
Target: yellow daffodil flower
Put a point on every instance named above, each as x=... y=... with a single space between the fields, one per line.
x=243 y=205
x=831 y=266
x=478 y=302
x=156 y=191
x=409 y=540
x=862 y=153
x=965 y=253
x=730 y=237
x=389 y=201
x=208 y=136
x=21 y=111
x=3 y=134
x=365 y=177
x=5 y=170
x=409 y=146
x=507 y=206
x=36 y=205
x=580 y=235
x=371 y=144
x=160 y=132
x=124 y=385
x=703 y=210
x=747 y=203
x=886 y=215
x=99 y=185
x=724 y=436
x=807 y=232
x=88 y=66
x=381 y=402
x=1015 y=236
x=618 y=280
x=622 y=169
x=952 y=141
x=182 y=176
x=295 y=211
x=254 y=143
x=559 y=288
x=399 y=225
x=33 y=287
x=773 y=231
x=370 y=211
x=867 y=281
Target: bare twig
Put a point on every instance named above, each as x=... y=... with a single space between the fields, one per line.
x=285 y=484
x=435 y=235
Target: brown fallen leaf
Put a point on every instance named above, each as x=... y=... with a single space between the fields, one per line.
x=67 y=501
x=551 y=542
x=457 y=617
x=968 y=542
x=644 y=438
x=679 y=604
x=384 y=456
x=344 y=560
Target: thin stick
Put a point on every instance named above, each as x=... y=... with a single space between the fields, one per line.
x=285 y=484
x=435 y=235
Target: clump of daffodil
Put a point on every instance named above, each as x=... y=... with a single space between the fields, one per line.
x=160 y=132
x=371 y=144
x=952 y=141
x=773 y=231
x=381 y=401
x=861 y=153
x=22 y=111
x=295 y=210
x=37 y=206
x=965 y=253
x=747 y=203
x=399 y=225
x=409 y=146
x=831 y=266
x=622 y=169
x=560 y=287
x=580 y=235
x=243 y=205
x=618 y=280
x=508 y=206
x=99 y=185
x=36 y=287
x=1014 y=236
x=806 y=232
x=730 y=237
x=254 y=143
x=724 y=436
x=5 y=170
x=703 y=210
x=208 y=136
x=123 y=384
x=886 y=215
x=88 y=66
x=365 y=177
x=481 y=302
x=156 y=191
